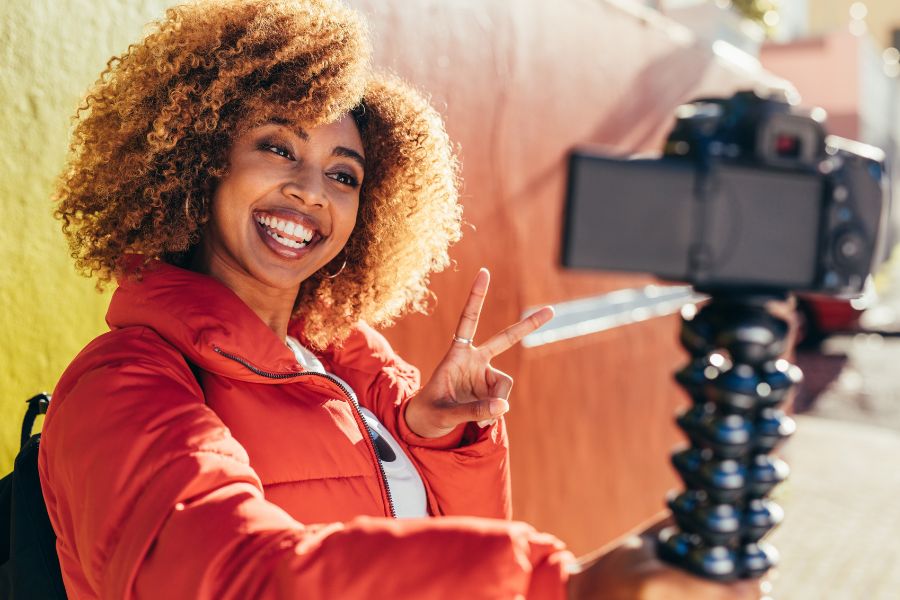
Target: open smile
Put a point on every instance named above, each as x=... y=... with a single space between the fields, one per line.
x=287 y=237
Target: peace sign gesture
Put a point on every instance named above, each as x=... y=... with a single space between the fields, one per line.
x=464 y=386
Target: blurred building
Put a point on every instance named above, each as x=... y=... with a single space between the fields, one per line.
x=844 y=56
x=841 y=55
x=881 y=18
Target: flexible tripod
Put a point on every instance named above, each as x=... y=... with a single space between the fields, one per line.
x=736 y=382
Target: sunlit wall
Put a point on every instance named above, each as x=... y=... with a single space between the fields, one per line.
x=50 y=52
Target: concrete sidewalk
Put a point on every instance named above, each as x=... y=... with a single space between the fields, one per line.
x=840 y=539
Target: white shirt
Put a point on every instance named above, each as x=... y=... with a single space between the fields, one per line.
x=403 y=481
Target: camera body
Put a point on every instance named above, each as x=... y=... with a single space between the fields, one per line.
x=750 y=193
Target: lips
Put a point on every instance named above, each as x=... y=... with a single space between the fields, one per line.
x=287 y=232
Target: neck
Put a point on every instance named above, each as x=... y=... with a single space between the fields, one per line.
x=274 y=309
x=274 y=305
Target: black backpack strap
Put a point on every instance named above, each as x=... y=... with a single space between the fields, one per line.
x=34 y=564
x=37 y=405
x=29 y=566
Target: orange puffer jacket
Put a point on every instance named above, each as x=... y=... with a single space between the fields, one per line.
x=187 y=455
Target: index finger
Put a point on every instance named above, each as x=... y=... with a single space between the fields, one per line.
x=468 y=321
x=506 y=339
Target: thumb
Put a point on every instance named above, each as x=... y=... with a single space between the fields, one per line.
x=481 y=410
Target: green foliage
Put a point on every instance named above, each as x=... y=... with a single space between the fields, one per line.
x=756 y=11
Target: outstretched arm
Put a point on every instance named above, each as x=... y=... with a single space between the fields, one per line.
x=151 y=497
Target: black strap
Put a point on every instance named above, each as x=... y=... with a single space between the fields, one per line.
x=32 y=570
x=37 y=405
x=29 y=566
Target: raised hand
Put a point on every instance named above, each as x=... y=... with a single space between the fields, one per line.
x=464 y=386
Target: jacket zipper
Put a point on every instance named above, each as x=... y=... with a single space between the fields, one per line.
x=343 y=389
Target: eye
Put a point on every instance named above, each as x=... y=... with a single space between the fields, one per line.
x=345 y=179
x=275 y=148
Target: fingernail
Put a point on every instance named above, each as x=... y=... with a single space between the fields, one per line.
x=498 y=407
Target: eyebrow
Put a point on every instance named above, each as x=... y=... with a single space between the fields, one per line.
x=338 y=151
x=351 y=154
x=298 y=131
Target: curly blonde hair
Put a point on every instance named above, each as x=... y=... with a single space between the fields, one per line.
x=152 y=136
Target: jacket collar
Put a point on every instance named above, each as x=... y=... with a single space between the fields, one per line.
x=205 y=321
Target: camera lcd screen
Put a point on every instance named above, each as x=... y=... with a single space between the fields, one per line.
x=764 y=226
x=629 y=215
x=749 y=227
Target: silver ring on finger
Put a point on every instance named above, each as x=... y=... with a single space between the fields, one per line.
x=462 y=340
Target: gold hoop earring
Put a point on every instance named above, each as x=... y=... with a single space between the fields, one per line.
x=343 y=264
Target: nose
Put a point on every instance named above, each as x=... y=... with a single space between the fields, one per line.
x=307 y=188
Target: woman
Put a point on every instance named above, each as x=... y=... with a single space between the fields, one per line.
x=261 y=199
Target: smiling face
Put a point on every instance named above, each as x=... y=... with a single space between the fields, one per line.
x=286 y=207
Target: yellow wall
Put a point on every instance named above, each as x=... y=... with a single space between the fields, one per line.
x=50 y=52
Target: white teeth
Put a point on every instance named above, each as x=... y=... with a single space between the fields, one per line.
x=288 y=227
x=285 y=241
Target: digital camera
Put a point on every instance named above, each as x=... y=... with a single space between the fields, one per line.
x=750 y=193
